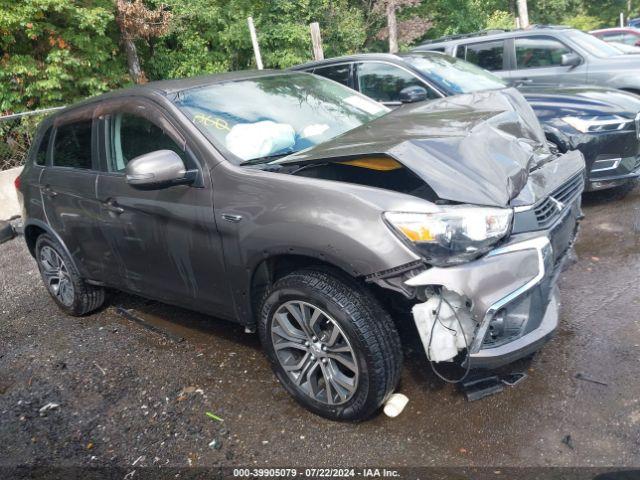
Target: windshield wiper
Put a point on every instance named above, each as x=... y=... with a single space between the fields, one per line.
x=266 y=159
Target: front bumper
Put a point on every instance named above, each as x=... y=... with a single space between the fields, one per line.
x=618 y=172
x=512 y=287
x=612 y=158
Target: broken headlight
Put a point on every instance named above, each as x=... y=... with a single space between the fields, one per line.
x=454 y=234
x=598 y=123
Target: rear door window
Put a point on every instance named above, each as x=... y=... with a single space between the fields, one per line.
x=72 y=145
x=487 y=55
x=337 y=73
x=539 y=52
x=384 y=82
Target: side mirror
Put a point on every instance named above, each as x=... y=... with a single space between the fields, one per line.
x=413 y=94
x=571 y=60
x=158 y=169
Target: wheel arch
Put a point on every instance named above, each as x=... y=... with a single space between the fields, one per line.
x=34 y=228
x=271 y=268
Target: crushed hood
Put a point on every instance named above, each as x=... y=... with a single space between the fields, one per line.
x=476 y=148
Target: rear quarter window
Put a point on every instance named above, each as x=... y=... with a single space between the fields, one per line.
x=72 y=145
x=43 y=146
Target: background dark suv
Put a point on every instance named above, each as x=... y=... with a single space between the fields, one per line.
x=544 y=55
x=604 y=124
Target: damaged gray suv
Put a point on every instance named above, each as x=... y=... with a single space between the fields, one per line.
x=306 y=211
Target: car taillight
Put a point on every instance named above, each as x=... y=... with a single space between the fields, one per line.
x=16 y=183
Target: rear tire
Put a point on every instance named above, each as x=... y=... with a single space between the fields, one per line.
x=356 y=350
x=61 y=278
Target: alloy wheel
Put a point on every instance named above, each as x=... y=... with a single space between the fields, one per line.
x=315 y=352
x=56 y=275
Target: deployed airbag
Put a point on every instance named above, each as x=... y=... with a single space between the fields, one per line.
x=260 y=139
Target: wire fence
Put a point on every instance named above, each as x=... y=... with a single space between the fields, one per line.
x=16 y=134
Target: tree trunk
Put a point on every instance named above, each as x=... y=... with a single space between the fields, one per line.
x=523 y=13
x=392 y=25
x=133 y=62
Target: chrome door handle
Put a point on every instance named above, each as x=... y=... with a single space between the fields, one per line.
x=232 y=218
x=113 y=206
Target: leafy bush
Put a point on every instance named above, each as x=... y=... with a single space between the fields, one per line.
x=583 y=22
x=500 y=20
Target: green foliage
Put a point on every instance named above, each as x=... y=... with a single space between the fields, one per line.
x=56 y=51
x=461 y=16
x=284 y=30
x=500 y=20
x=608 y=11
x=15 y=139
x=583 y=22
x=551 y=12
x=209 y=36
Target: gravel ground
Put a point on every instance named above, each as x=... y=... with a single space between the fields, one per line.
x=129 y=397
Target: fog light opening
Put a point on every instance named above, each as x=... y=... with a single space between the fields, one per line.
x=496 y=326
x=446 y=328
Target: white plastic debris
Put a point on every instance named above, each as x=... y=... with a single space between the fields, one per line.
x=396 y=403
x=49 y=406
x=260 y=139
x=448 y=339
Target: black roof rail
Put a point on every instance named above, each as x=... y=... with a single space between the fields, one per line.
x=541 y=26
x=464 y=35
x=482 y=33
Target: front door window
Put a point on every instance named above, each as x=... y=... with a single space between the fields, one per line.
x=132 y=136
x=539 y=52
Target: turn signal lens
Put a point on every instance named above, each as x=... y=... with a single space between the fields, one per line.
x=416 y=233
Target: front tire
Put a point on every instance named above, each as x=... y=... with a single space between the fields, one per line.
x=330 y=343
x=59 y=274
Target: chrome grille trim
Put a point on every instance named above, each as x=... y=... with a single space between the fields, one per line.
x=549 y=209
